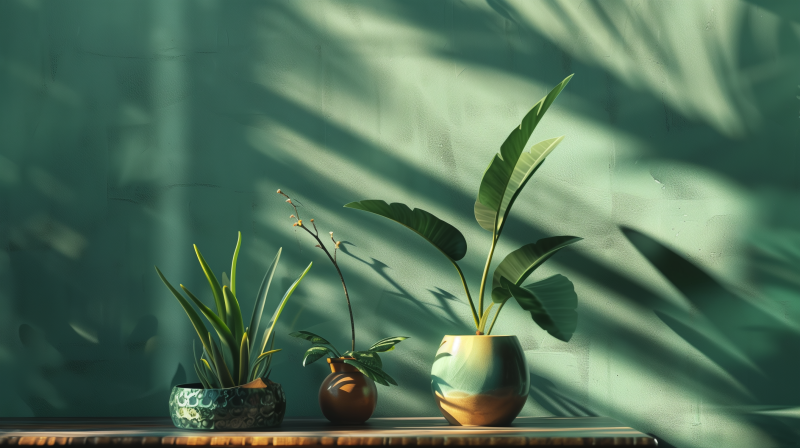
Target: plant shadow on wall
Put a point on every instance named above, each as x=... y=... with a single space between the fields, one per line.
x=756 y=346
x=63 y=365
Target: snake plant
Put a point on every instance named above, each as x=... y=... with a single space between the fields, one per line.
x=240 y=356
x=552 y=301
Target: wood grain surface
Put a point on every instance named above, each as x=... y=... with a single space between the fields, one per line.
x=433 y=431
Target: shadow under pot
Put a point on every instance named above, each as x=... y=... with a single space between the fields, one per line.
x=347 y=396
x=480 y=380
x=254 y=405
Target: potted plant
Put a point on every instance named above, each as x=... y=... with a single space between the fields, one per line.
x=348 y=395
x=235 y=391
x=483 y=379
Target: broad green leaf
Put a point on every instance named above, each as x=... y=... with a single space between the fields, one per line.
x=527 y=164
x=518 y=265
x=485 y=216
x=551 y=302
x=234 y=313
x=219 y=300
x=500 y=295
x=224 y=333
x=442 y=235
x=484 y=318
x=197 y=323
x=314 y=353
x=219 y=363
x=233 y=263
x=387 y=344
x=244 y=360
x=261 y=298
x=281 y=305
x=499 y=172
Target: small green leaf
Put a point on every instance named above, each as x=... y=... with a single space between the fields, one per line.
x=233 y=263
x=377 y=375
x=442 y=235
x=309 y=336
x=201 y=377
x=518 y=265
x=314 y=353
x=368 y=358
x=387 y=344
x=551 y=302
x=219 y=300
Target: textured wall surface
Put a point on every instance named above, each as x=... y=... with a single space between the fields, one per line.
x=131 y=129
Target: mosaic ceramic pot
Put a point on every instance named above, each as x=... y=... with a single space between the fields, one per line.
x=480 y=380
x=347 y=396
x=234 y=408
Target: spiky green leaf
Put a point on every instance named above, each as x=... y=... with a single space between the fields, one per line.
x=233 y=263
x=223 y=373
x=281 y=305
x=261 y=298
x=216 y=290
x=244 y=360
x=234 y=314
x=197 y=323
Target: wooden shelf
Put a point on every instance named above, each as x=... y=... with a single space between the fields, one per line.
x=432 y=431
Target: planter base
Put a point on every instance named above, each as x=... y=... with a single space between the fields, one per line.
x=235 y=408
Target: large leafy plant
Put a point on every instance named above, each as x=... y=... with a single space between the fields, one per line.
x=367 y=362
x=240 y=356
x=552 y=301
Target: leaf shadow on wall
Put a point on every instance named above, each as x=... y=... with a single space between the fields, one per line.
x=755 y=347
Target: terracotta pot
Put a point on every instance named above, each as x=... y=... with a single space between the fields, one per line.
x=480 y=380
x=347 y=396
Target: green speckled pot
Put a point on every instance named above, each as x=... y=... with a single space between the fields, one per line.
x=235 y=408
x=480 y=380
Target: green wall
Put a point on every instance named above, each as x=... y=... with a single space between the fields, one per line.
x=131 y=129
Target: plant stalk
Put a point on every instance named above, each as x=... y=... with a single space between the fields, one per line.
x=469 y=297
x=496 y=313
x=486 y=271
x=344 y=286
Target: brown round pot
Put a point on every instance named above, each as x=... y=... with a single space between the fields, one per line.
x=347 y=396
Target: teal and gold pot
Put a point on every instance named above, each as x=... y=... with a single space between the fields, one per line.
x=480 y=380
x=192 y=407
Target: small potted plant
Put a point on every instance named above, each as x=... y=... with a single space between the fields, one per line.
x=235 y=391
x=348 y=395
x=483 y=379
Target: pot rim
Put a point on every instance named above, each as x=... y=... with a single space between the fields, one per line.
x=481 y=335
x=199 y=386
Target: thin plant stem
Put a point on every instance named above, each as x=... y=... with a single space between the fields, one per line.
x=469 y=297
x=486 y=270
x=321 y=245
x=496 y=313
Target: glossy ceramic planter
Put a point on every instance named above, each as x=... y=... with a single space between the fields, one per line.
x=480 y=380
x=192 y=407
x=347 y=396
